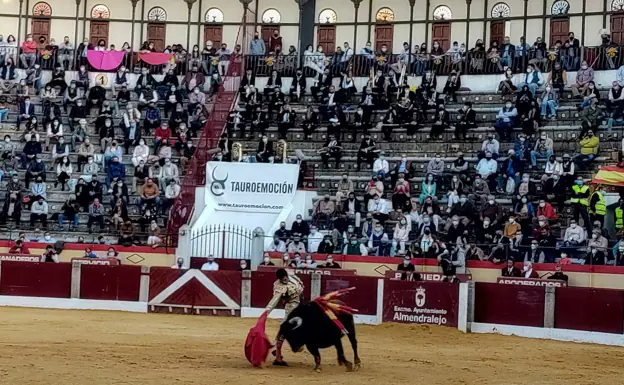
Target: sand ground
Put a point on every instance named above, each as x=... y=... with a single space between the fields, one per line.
x=83 y=347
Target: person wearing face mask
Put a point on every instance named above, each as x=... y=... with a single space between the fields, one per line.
x=28 y=52
x=558 y=78
x=300 y=226
x=591 y=117
x=400 y=236
x=408 y=270
x=210 y=264
x=324 y=211
x=326 y=246
x=401 y=194
x=379 y=208
x=381 y=166
x=487 y=168
x=589 y=146
x=532 y=79
x=549 y=100
x=466 y=121
x=315 y=238
x=95 y=95
x=277 y=245
x=584 y=77
x=266 y=260
x=144 y=80
x=543 y=149
x=618 y=255
x=427 y=227
x=307 y=263
x=546 y=210
x=506 y=120
x=379 y=241
x=528 y=272
x=573 y=237
x=168 y=172
x=352 y=208
x=596 y=256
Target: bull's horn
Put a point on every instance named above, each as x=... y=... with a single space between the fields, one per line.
x=297 y=321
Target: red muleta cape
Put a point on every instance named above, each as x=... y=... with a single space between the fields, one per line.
x=257 y=344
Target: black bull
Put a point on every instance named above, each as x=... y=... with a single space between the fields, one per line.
x=308 y=325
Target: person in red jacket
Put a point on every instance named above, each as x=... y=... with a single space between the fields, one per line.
x=29 y=50
x=546 y=210
x=162 y=134
x=19 y=248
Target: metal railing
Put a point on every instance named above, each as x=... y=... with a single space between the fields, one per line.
x=470 y=62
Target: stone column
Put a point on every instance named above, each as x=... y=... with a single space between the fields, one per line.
x=257 y=247
x=144 y=284
x=356 y=7
x=468 y=4
x=134 y=4
x=76 y=26
x=549 y=307
x=245 y=4
x=427 y=9
x=19 y=19
x=315 y=286
x=75 y=279
x=300 y=3
x=412 y=3
x=524 y=21
x=18 y=38
x=190 y=4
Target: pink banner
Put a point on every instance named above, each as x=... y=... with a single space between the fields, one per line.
x=105 y=60
x=155 y=58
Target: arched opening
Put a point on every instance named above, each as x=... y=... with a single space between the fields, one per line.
x=617 y=21
x=326 y=32
x=559 y=22
x=213 y=29
x=156 y=28
x=384 y=30
x=98 y=28
x=270 y=26
x=441 y=28
x=499 y=26
x=40 y=27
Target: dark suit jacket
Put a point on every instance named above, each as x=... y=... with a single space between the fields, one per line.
x=31 y=109
x=248 y=82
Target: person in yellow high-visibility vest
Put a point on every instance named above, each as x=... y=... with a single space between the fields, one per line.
x=597 y=206
x=579 y=200
x=619 y=216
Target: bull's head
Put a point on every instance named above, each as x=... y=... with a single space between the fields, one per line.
x=295 y=328
x=217 y=187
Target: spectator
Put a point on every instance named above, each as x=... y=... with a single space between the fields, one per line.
x=63 y=172
x=510 y=270
x=435 y=166
x=379 y=242
x=96 y=215
x=315 y=238
x=487 y=168
x=210 y=265
x=29 y=50
x=354 y=247
x=19 y=248
x=589 y=149
x=171 y=194
x=428 y=188
x=277 y=245
x=324 y=211
x=506 y=120
x=535 y=255
x=39 y=212
x=330 y=263
x=71 y=208
x=549 y=102
x=266 y=260
x=381 y=166
x=543 y=149
x=583 y=78
x=400 y=236
x=558 y=78
x=380 y=209
x=26 y=111
x=591 y=118
x=168 y=172
x=150 y=195
x=532 y=78
x=296 y=246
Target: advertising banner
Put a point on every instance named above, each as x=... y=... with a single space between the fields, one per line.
x=531 y=282
x=421 y=303
x=251 y=187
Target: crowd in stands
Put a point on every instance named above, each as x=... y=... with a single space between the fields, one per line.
x=456 y=214
x=72 y=134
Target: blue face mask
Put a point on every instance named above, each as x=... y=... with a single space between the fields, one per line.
x=579 y=182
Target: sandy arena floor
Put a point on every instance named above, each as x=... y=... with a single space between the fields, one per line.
x=78 y=347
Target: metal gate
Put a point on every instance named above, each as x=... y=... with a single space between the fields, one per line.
x=222 y=241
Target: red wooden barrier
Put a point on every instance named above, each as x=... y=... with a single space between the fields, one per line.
x=116 y=283
x=224 y=263
x=509 y=304
x=36 y=279
x=302 y=271
x=188 y=289
x=262 y=288
x=421 y=302
x=363 y=298
x=595 y=310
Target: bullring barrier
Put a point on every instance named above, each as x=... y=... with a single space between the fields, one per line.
x=563 y=313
